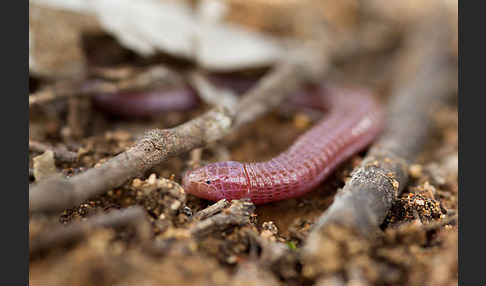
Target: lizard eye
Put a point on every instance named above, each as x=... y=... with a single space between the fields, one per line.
x=208 y=182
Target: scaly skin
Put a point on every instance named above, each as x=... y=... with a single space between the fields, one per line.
x=353 y=120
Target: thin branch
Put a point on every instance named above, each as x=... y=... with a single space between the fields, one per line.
x=195 y=156
x=78 y=118
x=209 y=93
x=212 y=209
x=61 y=154
x=286 y=78
x=237 y=214
x=155 y=147
x=62 y=235
x=158 y=145
x=366 y=198
x=150 y=78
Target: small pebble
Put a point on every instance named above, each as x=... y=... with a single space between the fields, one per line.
x=302 y=121
x=44 y=165
x=152 y=179
x=136 y=183
x=415 y=171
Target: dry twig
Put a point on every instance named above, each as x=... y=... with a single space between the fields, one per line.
x=151 y=78
x=366 y=198
x=237 y=214
x=195 y=156
x=212 y=209
x=78 y=116
x=60 y=154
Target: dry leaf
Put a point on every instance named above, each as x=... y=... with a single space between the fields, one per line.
x=173 y=27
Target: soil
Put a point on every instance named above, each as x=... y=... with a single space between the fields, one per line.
x=418 y=245
x=408 y=253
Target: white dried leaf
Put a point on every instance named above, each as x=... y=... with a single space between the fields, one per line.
x=229 y=47
x=150 y=26
x=173 y=27
x=147 y=26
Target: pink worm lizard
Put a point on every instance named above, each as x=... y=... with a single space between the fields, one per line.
x=352 y=121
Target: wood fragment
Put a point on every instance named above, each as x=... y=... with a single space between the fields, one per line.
x=366 y=198
x=212 y=209
x=78 y=116
x=237 y=214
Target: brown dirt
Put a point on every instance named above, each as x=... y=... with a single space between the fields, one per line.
x=418 y=245
x=408 y=253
